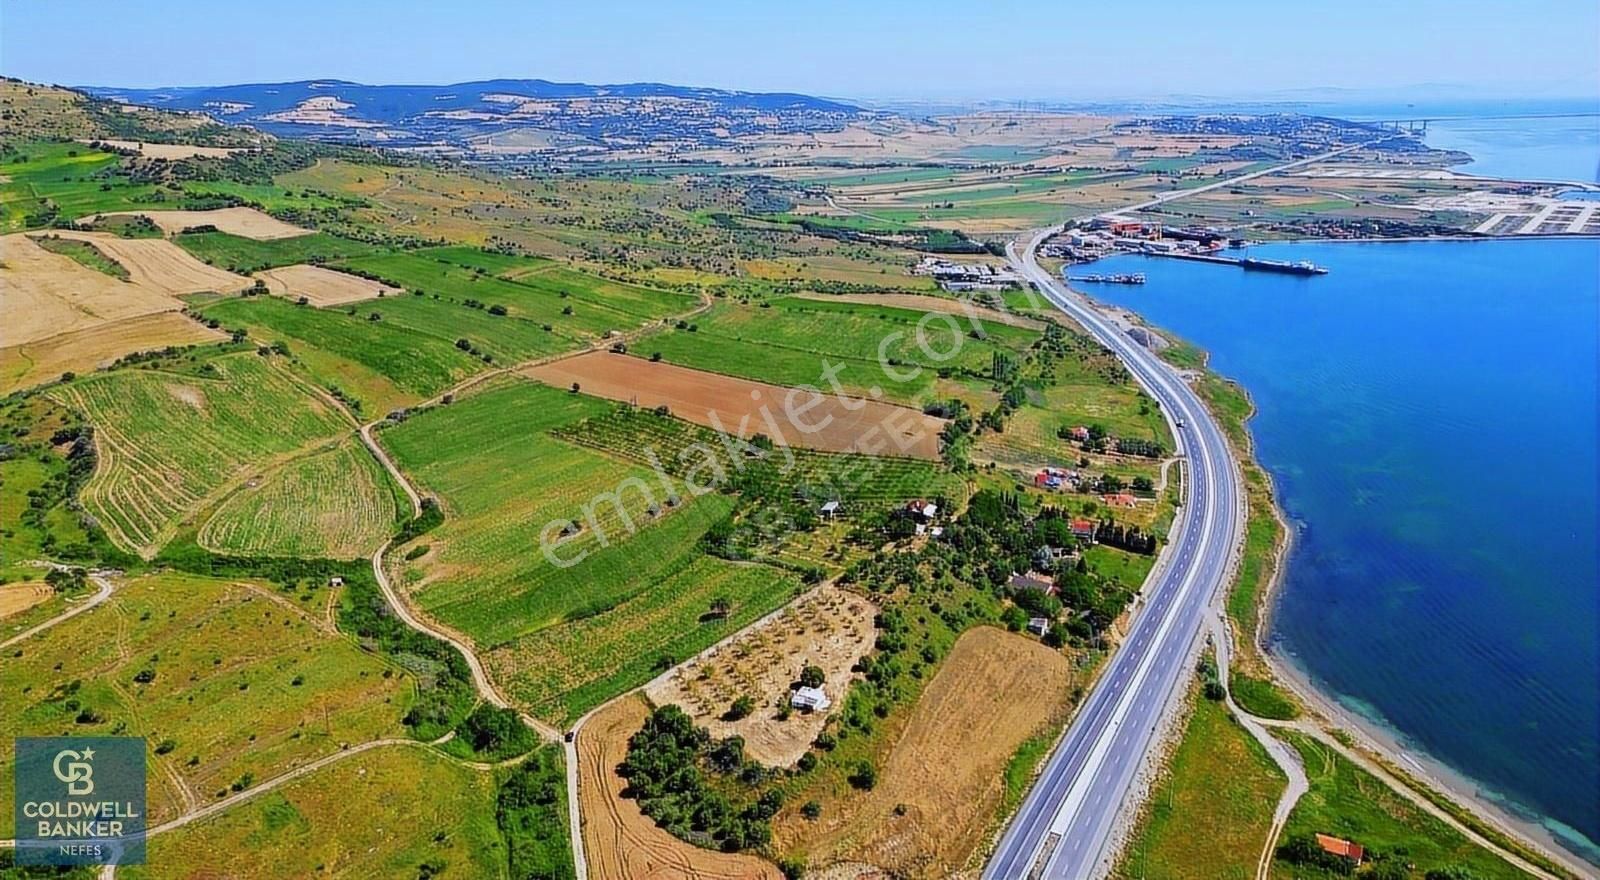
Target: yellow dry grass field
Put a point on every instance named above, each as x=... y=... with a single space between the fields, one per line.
x=81 y=351
x=17 y=598
x=830 y=628
x=943 y=304
x=173 y=152
x=161 y=265
x=742 y=405
x=619 y=841
x=322 y=287
x=994 y=691
x=240 y=221
x=43 y=294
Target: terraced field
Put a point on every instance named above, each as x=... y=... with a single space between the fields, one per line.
x=225 y=679
x=789 y=342
x=168 y=441
x=337 y=504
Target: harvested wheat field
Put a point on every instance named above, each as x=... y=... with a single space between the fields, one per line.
x=994 y=691
x=161 y=265
x=244 y=222
x=743 y=407
x=322 y=287
x=948 y=305
x=17 y=598
x=43 y=294
x=80 y=351
x=173 y=152
x=831 y=628
x=621 y=843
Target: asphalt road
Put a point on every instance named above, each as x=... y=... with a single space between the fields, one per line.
x=1064 y=824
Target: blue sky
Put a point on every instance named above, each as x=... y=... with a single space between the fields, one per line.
x=928 y=49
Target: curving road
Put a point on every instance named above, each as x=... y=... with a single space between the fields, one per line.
x=1065 y=823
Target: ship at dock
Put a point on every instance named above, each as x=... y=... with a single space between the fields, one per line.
x=1298 y=267
x=1121 y=278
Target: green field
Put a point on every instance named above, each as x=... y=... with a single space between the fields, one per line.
x=788 y=343
x=860 y=480
x=246 y=255
x=501 y=479
x=243 y=680
x=396 y=811
x=563 y=638
x=590 y=307
x=350 y=350
x=1208 y=816
x=336 y=504
x=43 y=181
x=560 y=672
x=1346 y=801
x=167 y=441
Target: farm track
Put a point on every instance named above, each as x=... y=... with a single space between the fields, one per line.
x=406 y=613
x=104 y=593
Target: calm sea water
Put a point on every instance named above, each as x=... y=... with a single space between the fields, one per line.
x=1551 y=148
x=1428 y=412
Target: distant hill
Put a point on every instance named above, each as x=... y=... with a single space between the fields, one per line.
x=30 y=110
x=492 y=114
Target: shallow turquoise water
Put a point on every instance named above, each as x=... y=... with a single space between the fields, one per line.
x=1428 y=412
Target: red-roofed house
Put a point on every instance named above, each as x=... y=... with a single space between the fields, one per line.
x=1121 y=499
x=1082 y=528
x=1079 y=433
x=1355 y=852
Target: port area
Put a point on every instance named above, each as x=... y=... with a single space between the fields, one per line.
x=1109 y=236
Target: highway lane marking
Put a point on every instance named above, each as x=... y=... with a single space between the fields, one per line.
x=1019 y=844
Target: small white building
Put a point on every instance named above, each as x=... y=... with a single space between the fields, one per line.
x=830 y=509
x=1039 y=626
x=809 y=699
x=336 y=581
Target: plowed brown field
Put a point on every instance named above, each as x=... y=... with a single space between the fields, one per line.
x=322 y=287
x=742 y=406
x=79 y=351
x=246 y=222
x=162 y=265
x=995 y=690
x=621 y=843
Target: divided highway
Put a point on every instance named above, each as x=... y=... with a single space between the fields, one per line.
x=1065 y=823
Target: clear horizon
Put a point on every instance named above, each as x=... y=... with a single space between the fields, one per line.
x=894 y=51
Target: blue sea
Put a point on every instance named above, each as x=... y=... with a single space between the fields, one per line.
x=1428 y=413
x=1565 y=147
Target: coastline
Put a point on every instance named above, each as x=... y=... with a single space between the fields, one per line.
x=1413 y=766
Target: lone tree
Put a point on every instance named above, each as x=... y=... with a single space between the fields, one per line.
x=812 y=676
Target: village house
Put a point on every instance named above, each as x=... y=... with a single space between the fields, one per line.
x=809 y=699
x=1079 y=433
x=1338 y=846
x=1031 y=581
x=1084 y=529
x=829 y=510
x=1120 y=499
x=1039 y=626
x=924 y=510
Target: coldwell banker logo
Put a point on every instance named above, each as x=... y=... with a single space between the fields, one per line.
x=80 y=800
